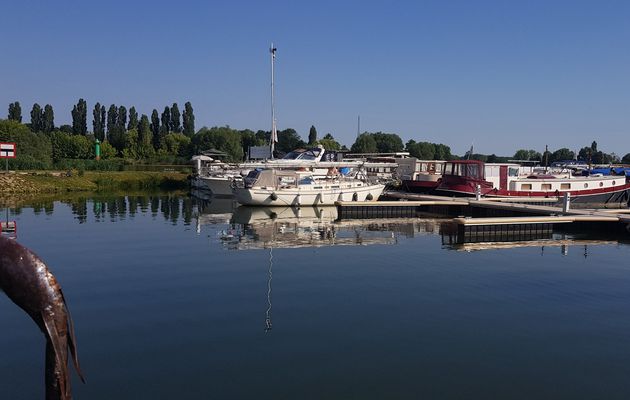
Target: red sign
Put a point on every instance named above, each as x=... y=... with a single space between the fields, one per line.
x=7 y=150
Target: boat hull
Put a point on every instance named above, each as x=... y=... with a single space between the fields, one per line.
x=417 y=186
x=304 y=197
x=618 y=196
x=219 y=186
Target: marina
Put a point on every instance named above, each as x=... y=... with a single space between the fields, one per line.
x=409 y=200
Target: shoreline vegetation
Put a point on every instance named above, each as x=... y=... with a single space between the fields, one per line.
x=17 y=183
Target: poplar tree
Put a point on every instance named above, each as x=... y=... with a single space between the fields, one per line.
x=189 y=120
x=117 y=134
x=98 y=122
x=175 y=119
x=121 y=123
x=79 y=118
x=112 y=119
x=133 y=119
x=15 y=112
x=36 y=118
x=103 y=121
x=155 y=129
x=48 y=120
x=312 y=135
x=166 y=120
x=144 y=131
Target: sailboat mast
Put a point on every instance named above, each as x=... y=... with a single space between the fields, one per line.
x=274 y=135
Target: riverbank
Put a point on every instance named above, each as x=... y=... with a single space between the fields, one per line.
x=40 y=182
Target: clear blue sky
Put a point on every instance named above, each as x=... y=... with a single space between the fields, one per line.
x=503 y=75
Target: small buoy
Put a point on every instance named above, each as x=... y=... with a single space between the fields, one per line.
x=369 y=197
x=355 y=197
x=273 y=197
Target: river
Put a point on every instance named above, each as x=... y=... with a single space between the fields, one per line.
x=177 y=297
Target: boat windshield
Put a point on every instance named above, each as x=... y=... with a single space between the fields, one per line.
x=464 y=169
x=301 y=154
x=252 y=177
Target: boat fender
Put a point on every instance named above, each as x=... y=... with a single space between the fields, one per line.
x=273 y=197
x=355 y=197
x=369 y=197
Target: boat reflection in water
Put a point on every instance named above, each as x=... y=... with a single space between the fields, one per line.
x=289 y=227
x=244 y=228
x=293 y=227
x=212 y=210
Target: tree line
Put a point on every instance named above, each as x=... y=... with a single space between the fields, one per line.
x=380 y=142
x=171 y=135
x=123 y=133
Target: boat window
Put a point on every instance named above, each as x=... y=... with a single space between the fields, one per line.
x=251 y=178
x=472 y=170
x=526 y=186
x=448 y=168
x=287 y=180
x=565 y=186
x=293 y=155
x=456 y=169
x=310 y=154
x=586 y=185
x=613 y=182
x=546 y=186
x=423 y=167
x=306 y=156
x=438 y=168
x=513 y=172
x=601 y=184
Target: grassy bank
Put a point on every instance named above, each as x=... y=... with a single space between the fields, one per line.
x=89 y=181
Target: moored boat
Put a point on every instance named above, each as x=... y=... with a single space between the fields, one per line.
x=467 y=177
x=419 y=176
x=273 y=187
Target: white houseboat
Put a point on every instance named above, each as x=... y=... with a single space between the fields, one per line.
x=466 y=177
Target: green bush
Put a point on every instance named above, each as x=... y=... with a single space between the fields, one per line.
x=33 y=150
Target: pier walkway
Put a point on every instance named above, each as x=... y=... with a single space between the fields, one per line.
x=488 y=216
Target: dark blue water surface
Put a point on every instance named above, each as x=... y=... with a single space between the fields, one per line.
x=174 y=298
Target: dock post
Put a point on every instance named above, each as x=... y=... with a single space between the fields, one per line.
x=478 y=192
x=566 y=203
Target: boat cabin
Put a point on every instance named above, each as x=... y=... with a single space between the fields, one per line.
x=512 y=179
x=411 y=169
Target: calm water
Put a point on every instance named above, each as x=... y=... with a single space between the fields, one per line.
x=176 y=298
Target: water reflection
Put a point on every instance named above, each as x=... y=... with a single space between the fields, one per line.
x=243 y=228
x=268 y=323
x=172 y=207
x=289 y=227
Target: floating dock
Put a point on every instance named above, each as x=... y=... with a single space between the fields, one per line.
x=489 y=219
